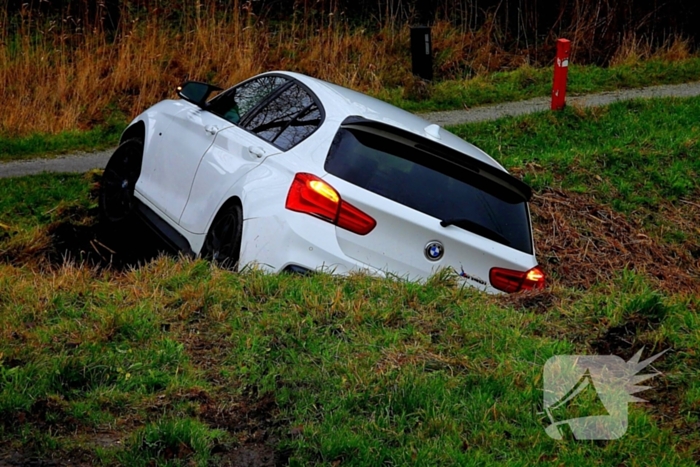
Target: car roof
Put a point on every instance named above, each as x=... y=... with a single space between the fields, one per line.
x=340 y=103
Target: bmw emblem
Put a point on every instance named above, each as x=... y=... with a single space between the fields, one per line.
x=434 y=250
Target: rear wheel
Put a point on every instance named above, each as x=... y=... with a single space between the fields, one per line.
x=223 y=243
x=119 y=180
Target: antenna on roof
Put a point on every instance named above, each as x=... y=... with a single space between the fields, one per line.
x=433 y=130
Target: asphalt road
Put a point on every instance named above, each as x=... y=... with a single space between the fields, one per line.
x=97 y=160
x=68 y=163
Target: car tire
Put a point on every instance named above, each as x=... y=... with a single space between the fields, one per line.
x=118 y=181
x=222 y=245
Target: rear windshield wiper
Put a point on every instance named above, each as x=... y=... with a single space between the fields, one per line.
x=478 y=229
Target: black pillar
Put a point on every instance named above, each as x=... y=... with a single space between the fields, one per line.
x=422 y=52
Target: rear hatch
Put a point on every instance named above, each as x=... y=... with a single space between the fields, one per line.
x=434 y=207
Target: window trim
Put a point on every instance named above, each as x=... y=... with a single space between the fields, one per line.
x=449 y=155
x=239 y=85
x=252 y=113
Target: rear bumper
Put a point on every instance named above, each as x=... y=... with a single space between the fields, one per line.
x=296 y=242
x=292 y=240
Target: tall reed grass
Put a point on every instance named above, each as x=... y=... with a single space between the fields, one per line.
x=59 y=72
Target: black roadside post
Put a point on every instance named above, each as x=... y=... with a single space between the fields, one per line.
x=421 y=52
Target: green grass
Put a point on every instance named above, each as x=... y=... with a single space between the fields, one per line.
x=47 y=145
x=180 y=363
x=637 y=156
x=361 y=370
x=528 y=82
x=492 y=88
x=27 y=202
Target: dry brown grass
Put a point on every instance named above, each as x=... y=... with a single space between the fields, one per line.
x=635 y=49
x=59 y=74
x=67 y=80
x=584 y=242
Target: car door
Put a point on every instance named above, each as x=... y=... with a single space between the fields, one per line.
x=166 y=180
x=282 y=121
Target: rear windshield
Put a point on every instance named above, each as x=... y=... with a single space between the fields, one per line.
x=456 y=194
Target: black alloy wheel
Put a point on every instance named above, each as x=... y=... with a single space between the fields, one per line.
x=223 y=243
x=119 y=180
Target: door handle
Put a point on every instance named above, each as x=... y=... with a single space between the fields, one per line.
x=256 y=151
x=211 y=129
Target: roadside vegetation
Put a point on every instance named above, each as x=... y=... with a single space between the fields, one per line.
x=47 y=145
x=68 y=82
x=640 y=157
x=116 y=353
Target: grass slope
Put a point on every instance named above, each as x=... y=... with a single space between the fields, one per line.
x=362 y=371
x=179 y=363
x=637 y=156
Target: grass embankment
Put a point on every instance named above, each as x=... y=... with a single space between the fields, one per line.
x=176 y=361
x=635 y=156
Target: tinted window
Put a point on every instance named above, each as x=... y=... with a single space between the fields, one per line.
x=233 y=105
x=287 y=119
x=430 y=185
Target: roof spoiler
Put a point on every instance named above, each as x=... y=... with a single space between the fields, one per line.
x=515 y=186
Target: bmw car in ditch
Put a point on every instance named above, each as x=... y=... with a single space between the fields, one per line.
x=292 y=173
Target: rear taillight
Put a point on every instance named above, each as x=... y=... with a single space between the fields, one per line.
x=311 y=195
x=510 y=281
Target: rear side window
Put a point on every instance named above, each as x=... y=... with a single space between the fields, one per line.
x=421 y=181
x=234 y=104
x=287 y=119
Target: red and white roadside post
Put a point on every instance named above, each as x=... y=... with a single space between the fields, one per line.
x=561 y=72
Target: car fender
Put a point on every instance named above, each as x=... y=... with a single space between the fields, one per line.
x=259 y=192
x=156 y=120
x=263 y=190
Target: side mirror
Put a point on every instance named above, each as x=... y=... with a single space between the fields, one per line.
x=196 y=92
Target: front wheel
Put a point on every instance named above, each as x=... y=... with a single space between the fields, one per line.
x=119 y=180
x=223 y=242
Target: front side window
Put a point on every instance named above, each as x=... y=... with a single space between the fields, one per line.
x=234 y=104
x=287 y=119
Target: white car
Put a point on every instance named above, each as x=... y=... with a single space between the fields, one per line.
x=291 y=173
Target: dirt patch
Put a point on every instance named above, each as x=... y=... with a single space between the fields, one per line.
x=47 y=414
x=252 y=419
x=583 y=242
x=18 y=459
x=125 y=245
x=207 y=351
x=82 y=239
x=539 y=301
x=254 y=422
x=74 y=458
x=105 y=439
x=664 y=398
x=624 y=340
